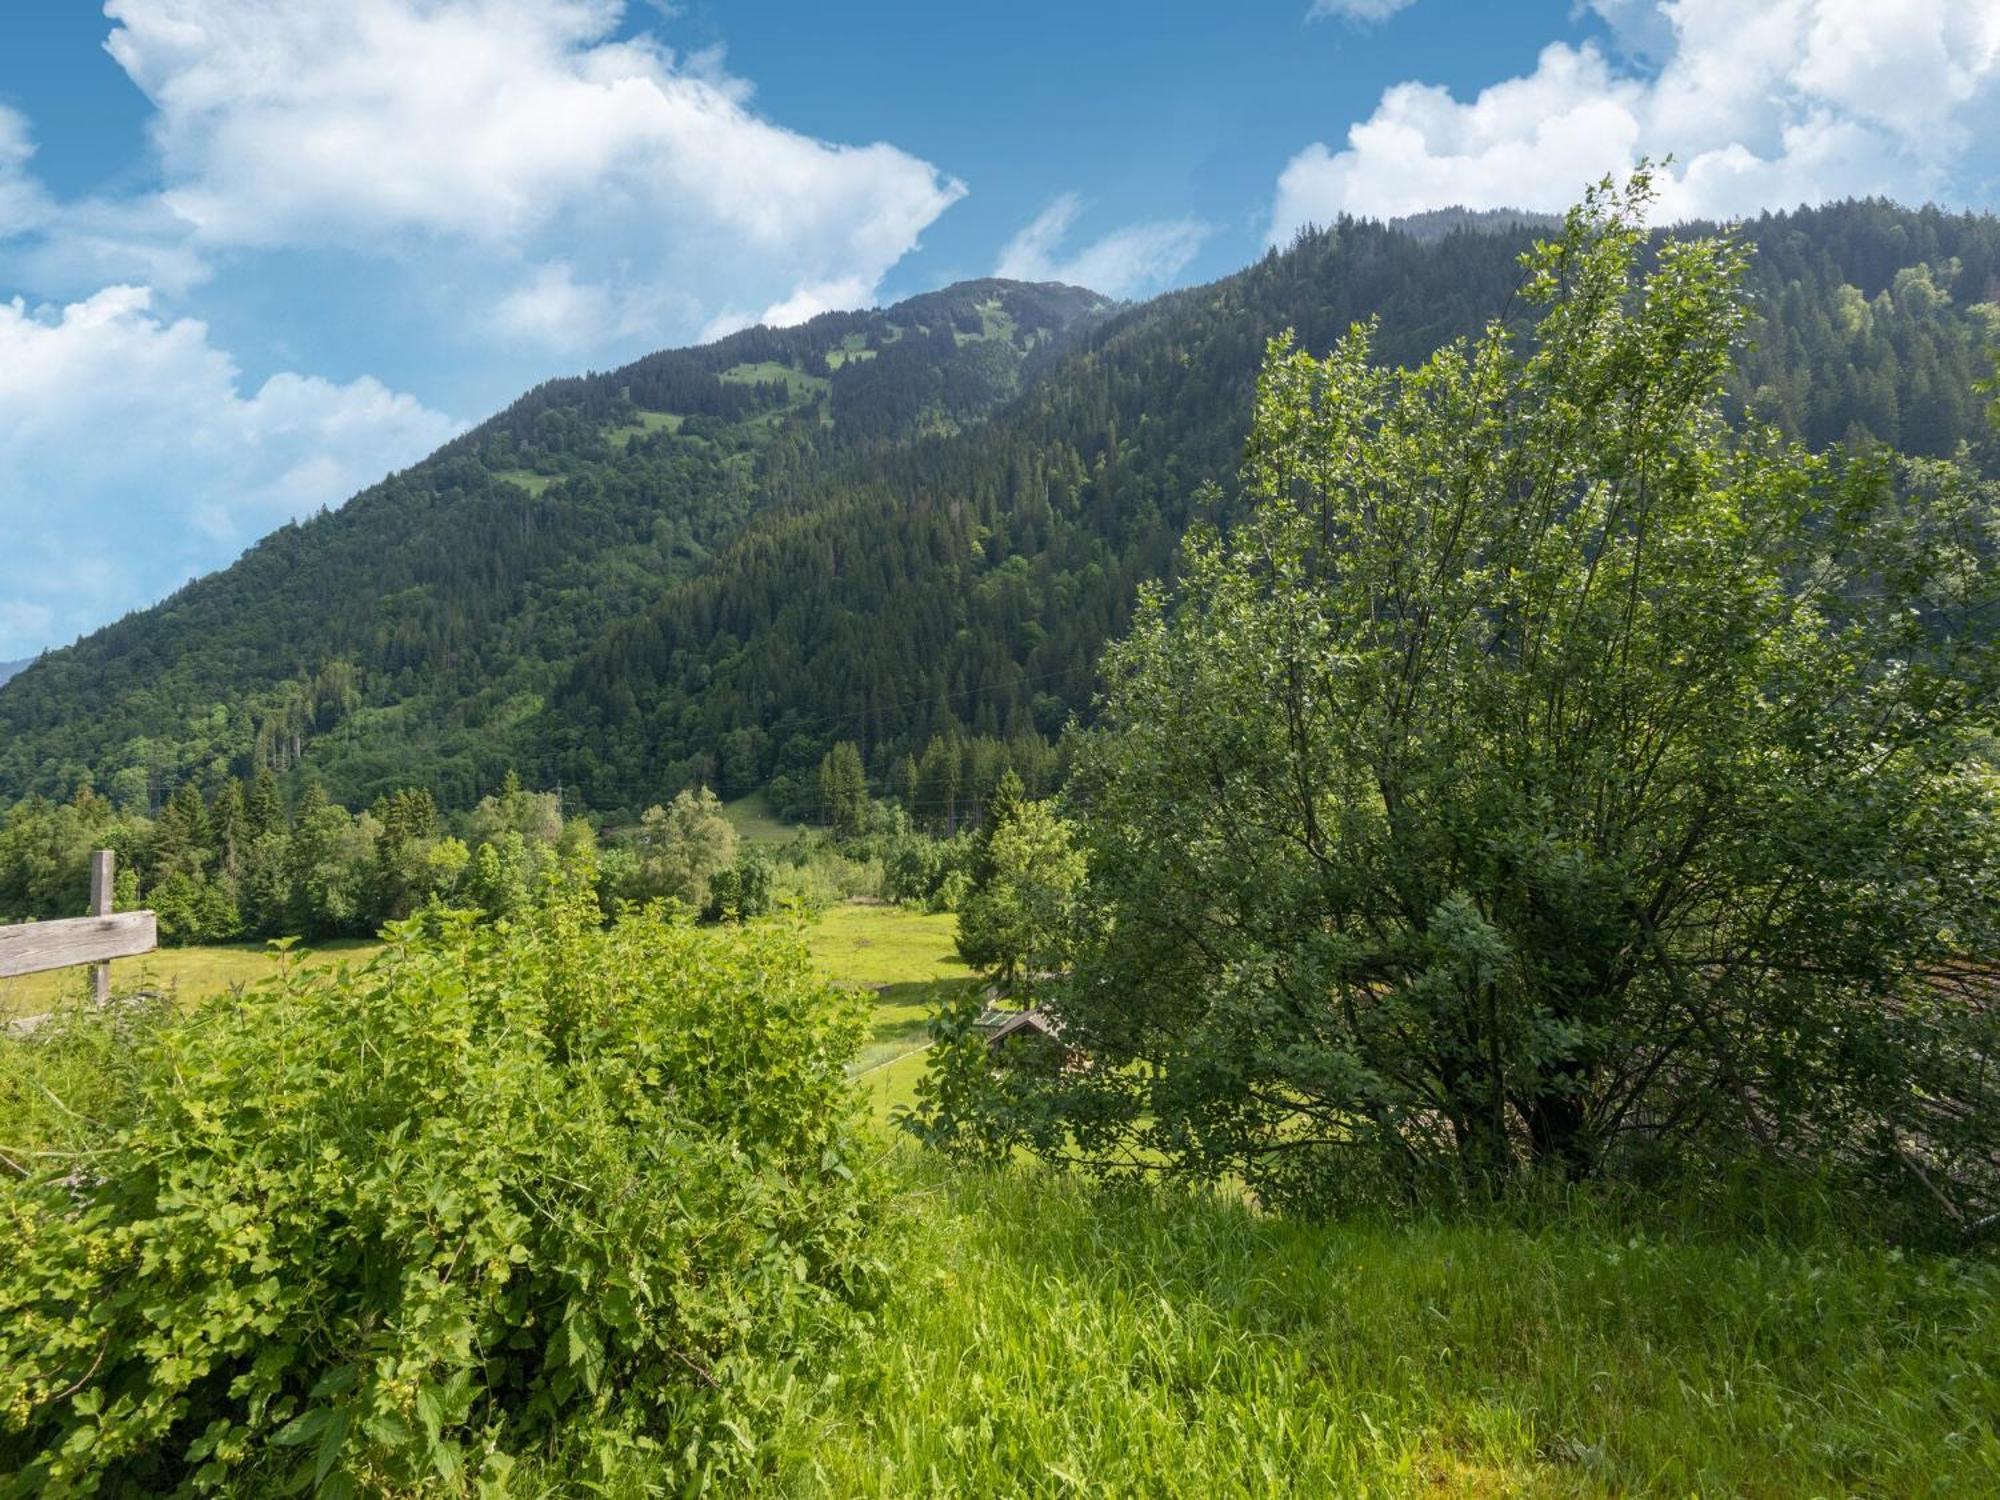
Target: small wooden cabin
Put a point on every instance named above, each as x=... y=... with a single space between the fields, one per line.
x=1015 y=1035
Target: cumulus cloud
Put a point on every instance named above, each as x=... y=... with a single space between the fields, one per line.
x=23 y=204
x=1357 y=10
x=1761 y=103
x=130 y=452
x=1125 y=262
x=617 y=174
x=63 y=247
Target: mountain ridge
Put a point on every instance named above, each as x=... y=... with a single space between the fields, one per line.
x=708 y=563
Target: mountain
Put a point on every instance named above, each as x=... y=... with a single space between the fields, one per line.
x=413 y=631
x=879 y=526
x=12 y=668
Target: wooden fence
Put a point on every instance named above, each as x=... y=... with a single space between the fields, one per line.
x=96 y=939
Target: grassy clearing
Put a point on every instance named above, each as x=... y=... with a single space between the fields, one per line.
x=906 y=957
x=886 y=945
x=648 y=423
x=755 y=823
x=527 y=479
x=798 y=384
x=190 y=973
x=1046 y=1337
x=995 y=323
x=891 y=1084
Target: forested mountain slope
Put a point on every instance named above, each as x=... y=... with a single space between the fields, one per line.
x=972 y=583
x=409 y=634
x=878 y=526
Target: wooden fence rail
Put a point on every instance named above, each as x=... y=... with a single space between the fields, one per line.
x=96 y=939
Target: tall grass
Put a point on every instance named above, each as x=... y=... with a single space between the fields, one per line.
x=1048 y=1337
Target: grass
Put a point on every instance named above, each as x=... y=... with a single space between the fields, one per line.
x=648 y=423
x=191 y=973
x=906 y=957
x=995 y=323
x=1048 y=1337
x=527 y=479
x=755 y=823
x=886 y=945
x=901 y=955
x=892 y=1083
x=1043 y=1335
x=798 y=384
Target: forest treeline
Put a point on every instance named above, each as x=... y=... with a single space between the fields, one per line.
x=709 y=567
x=247 y=862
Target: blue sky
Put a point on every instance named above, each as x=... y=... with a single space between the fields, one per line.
x=252 y=256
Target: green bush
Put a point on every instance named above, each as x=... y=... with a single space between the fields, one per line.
x=743 y=890
x=537 y=1190
x=816 y=874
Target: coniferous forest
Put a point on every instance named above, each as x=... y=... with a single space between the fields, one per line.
x=709 y=567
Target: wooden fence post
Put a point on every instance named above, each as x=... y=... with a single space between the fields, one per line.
x=100 y=906
x=69 y=942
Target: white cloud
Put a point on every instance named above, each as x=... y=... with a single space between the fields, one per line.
x=1639 y=28
x=129 y=451
x=531 y=178
x=618 y=176
x=1761 y=103
x=1127 y=261
x=23 y=204
x=812 y=300
x=552 y=310
x=1357 y=10
x=66 y=247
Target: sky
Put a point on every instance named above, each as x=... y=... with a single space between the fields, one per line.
x=254 y=256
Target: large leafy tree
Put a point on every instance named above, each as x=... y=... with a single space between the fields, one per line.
x=683 y=846
x=1029 y=876
x=1543 y=768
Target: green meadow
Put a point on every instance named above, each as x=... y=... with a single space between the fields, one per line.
x=189 y=973
x=755 y=823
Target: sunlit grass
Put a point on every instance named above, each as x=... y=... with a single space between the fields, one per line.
x=798 y=384
x=1042 y=1335
x=1048 y=1337
x=527 y=479
x=906 y=958
x=187 y=973
x=865 y=944
x=892 y=1084
x=644 y=424
x=755 y=823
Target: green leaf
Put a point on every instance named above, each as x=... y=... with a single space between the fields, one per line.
x=331 y=1441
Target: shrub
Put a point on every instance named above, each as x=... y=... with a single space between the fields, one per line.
x=1543 y=776
x=742 y=891
x=536 y=1188
x=816 y=874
